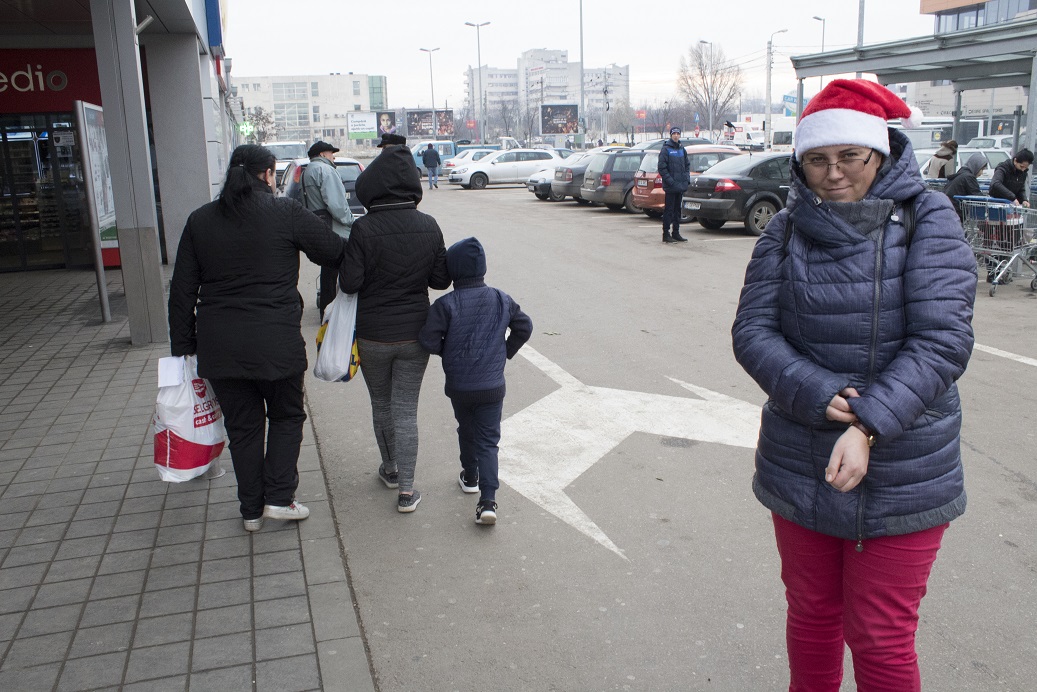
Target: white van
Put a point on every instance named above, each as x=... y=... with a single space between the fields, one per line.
x=746 y=136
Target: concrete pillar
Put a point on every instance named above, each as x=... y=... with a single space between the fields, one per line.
x=1031 y=124
x=122 y=93
x=177 y=115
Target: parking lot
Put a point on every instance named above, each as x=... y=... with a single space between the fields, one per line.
x=630 y=552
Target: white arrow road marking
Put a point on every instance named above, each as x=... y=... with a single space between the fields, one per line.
x=549 y=444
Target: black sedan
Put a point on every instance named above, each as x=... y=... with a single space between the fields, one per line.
x=750 y=189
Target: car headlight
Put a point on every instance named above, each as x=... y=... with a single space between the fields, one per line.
x=460 y=170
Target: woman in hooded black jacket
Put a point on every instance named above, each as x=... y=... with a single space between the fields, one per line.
x=394 y=255
x=234 y=302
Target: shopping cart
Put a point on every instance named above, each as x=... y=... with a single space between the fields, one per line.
x=1002 y=237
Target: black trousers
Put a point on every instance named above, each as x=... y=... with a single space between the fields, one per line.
x=478 y=436
x=672 y=211
x=267 y=469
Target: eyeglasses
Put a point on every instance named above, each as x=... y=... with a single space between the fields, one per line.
x=846 y=164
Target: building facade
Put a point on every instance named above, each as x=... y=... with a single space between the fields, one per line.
x=312 y=107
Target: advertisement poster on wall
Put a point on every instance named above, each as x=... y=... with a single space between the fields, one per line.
x=362 y=125
x=422 y=124
x=559 y=119
x=97 y=178
x=386 y=123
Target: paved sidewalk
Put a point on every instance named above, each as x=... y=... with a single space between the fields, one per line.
x=113 y=579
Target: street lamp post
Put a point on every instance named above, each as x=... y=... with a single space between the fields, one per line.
x=478 y=56
x=770 y=60
x=432 y=84
x=821 y=79
x=583 y=111
x=709 y=91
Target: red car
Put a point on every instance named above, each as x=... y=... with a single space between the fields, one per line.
x=648 y=184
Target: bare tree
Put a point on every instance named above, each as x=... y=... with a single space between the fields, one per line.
x=264 y=129
x=709 y=83
x=507 y=110
x=661 y=118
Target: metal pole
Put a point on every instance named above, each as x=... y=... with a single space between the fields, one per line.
x=860 y=30
x=480 y=110
x=821 y=79
x=770 y=56
x=583 y=112
x=432 y=84
x=709 y=90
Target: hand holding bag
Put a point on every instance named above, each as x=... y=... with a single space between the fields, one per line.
x=337 y=356
x=188 y=423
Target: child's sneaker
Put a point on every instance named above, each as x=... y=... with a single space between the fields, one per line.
x=486 y=512
x=466 y=486
x=253 y=524
x=408 y=503
x=293 y=512
x=391 y=480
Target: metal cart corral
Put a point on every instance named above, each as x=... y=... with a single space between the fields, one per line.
x=1002 y=236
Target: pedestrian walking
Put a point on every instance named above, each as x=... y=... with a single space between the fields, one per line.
x=430 y=157
x=469 y=328
x=941 y=164
x=856 y=320
x=394 y=255
x=1009 y=179
x=675 y=170
x=324 y=194
x=234 y=302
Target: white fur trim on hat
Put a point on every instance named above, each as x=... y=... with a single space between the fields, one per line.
x=834 y=126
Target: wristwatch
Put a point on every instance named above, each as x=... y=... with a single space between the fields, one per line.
x=867 y=433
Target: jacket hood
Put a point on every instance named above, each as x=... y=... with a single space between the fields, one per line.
x=976 y=163
x=391 y=181
x=898 y=179
x=466 y=259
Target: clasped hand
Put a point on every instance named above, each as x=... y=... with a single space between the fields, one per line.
x=849 y=461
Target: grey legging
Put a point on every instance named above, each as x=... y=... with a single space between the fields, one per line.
x=393 y=373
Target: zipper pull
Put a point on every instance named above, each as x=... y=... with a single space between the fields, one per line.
x=894 y=218
x=860 y=547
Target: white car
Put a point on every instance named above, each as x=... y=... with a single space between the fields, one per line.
x=464 y=157
x=994 y=157
x=993 y=142
x=512 y=166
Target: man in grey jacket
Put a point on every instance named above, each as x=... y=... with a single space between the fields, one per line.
x=324 y=194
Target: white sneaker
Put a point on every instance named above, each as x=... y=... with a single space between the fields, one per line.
x=293 y=512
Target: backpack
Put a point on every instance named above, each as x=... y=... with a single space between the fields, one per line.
x=907 y=209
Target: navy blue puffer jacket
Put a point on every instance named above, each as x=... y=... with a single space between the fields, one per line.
x=838 y=309
x=467 y=327
x=674 y=167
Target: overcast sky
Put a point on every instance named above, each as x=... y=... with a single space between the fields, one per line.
x=305 y=37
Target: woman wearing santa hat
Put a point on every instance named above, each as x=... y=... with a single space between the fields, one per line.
x=856 y=320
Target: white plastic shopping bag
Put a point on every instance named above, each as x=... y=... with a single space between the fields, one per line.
x=189 y=432
x=337 y=356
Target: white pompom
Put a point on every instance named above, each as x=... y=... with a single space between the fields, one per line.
x=915 y=119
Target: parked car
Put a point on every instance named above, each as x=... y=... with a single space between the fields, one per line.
x=648 y=184
x=446 y=148
x=609 y=179
x=464 y=157
x=348 y=170
x=285 y=152
x=993 y=142
x=512 y=166
x=750 y=188
x=656 y=144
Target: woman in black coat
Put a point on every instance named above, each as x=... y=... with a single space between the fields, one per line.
x=234 y=302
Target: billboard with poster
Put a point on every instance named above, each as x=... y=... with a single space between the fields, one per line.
x=361 y=125
x=386 y=122
x=422 y=124
x=559 y=119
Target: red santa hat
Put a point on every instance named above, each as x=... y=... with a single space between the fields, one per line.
x=852 y=111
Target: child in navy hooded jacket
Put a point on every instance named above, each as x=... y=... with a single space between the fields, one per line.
x=468 y=327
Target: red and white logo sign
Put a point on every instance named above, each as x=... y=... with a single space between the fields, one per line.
x=199 y=387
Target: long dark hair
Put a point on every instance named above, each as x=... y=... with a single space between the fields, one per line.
x=247 y=163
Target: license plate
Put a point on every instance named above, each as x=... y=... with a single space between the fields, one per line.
x=349 y=196
x=692 y=205
x=642 y=183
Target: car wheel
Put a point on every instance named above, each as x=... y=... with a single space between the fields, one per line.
x=555 y=196
x=628 y=202
x=466 y=187
x=653 y=213
x=479 y=181
x=614 y=207
x=759 y=216
x=712 y=224
x=581 y=200
x=540 y=196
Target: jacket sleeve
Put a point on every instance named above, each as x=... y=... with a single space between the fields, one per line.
x=334 y=194
x=997 y=185
x=801 y=388
x=939 y=292
x=320 y=244
x=183 y=296
x=432 y=334
x=351 y=275
x=664 y=168
x=971 y=186
x=440 y=277
x=521 y=328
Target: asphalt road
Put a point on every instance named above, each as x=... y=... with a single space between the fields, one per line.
x=630 y=553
